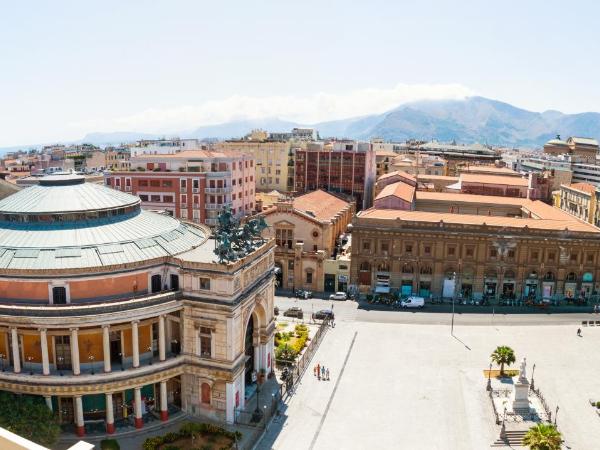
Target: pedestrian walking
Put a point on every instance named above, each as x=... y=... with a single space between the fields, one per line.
x=315 y=370
x=579 y=332
x=327 y=374
x=319 y=370
x=323 y=372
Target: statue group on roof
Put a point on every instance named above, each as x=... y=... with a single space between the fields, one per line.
x=234 y=241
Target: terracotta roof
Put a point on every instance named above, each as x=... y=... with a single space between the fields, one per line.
x=402 y=190
x=320 y=204
x=469 y=219
x=583 y=187
x=400 y=173
x=436 y=177
x=493 y=179
x=470 y=198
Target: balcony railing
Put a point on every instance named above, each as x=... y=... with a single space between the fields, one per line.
x=218 y=190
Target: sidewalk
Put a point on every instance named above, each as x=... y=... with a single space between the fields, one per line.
x=310 y=403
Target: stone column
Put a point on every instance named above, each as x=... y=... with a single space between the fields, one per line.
x=135 y=345
x=44 y=345
x=229 y=402
x=15 y=350
x=106 y=347
x=48 y=399
x=110 y=417
x=79 y=423
x=139 y=422
x=257 y=357
x=161 y=338
x=164 y=410
x=75 y=352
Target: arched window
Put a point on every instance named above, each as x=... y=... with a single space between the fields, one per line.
x=407 y=268
x=426 y=270
x=205 y=393
x=571 y=276
x=383 y=267
x=549 y=276
x=365 y=266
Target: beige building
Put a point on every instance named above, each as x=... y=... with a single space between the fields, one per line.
x=586 y=149
x=306 y=231
x=581 y=200
x=383 y=161
x=272 y=158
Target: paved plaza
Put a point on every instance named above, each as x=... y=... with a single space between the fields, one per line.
x=397 y=384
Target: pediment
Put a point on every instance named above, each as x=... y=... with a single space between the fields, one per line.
x=283 y=224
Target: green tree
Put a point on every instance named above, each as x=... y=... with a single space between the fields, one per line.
x=29 y=417
x=503 y=355
x=543 y=436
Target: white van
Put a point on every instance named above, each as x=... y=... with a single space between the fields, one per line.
x=413 y=302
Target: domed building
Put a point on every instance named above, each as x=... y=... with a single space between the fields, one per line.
x=110 y=311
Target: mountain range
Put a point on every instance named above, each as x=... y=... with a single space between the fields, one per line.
x=473 y=119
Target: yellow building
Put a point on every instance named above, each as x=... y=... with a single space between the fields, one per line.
x=580 y=200
x=272 y=159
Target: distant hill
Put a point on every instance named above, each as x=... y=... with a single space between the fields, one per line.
x=474 y=119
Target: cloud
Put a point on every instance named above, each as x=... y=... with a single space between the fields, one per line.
x=306 y=110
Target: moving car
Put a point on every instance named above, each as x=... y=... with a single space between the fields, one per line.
x=413 y=302
x=338 y=296
x=323 y=314
x=294 y=311
x=300 y=293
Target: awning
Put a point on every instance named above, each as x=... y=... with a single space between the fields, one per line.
x=382 y=289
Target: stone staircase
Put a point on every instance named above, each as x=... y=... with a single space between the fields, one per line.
x=511 y=439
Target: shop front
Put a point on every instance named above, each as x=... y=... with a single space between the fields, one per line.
x=531 y=286
x=509 y=285
x=571 y=285
x=587 y=284
x=490 y=285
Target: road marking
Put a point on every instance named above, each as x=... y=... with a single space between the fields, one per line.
x=316 y=436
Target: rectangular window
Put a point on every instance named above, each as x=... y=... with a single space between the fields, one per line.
x=59 y=295
x=155 y=198
x=284 y=238
x=590 y=257
x=184 y=199
x=168 y=199
x=551 y=256
x=195 y=184
x=309 y=277
x=143 y=198
x=535 y=255
x=143 y=183
x=167 y=183
x=183 y=183
x=573 y=257
x=408 y=249
x=451 y=251
x=366 y=246
x=205 y=342
x=385 y=247
x=155 y=183
x=205 y=284
x=493 y=253
x=427 y=250
x=469 y=251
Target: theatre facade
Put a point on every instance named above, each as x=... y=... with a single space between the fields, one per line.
x=110 y=312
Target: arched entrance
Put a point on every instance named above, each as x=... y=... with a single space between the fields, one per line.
x=249 y=350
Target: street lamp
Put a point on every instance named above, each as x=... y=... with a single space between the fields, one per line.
x=29 y=359
x=151 y=355
x=60 y=360
x=532 y=373
x=91 y=358
x=503 y=429
x=122 y=362
x=489 y=383
x=556 y=414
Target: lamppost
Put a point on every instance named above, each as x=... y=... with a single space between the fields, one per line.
x=556 y=414
x=2 y=361
x=489 y=383
x=151 y=355
x=453 y=299
x=29 y=359
x=122 y=362
x=503 y=429
x=257 y=412
x=532 y=373
x=60 y=360
x=91 y=358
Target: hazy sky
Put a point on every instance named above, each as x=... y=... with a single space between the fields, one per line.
x=68 y=68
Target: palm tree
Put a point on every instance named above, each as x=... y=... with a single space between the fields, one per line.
x=543 y=436
x=503 y=355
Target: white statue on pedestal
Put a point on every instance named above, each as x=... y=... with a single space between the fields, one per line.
x=523 y=371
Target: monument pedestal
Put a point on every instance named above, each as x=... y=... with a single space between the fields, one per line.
x=520 y=400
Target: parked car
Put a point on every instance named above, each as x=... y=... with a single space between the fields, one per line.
x=323 y=314
x=300 y=293
x=294 y=312
x=338 y=296
x=276 y=310
x=413 y=302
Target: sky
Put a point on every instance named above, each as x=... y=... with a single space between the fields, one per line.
x=69 y=68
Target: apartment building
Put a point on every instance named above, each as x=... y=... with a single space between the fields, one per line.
x=165 y=146
x=345 y=166
x=192 y=185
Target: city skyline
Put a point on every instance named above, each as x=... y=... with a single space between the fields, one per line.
x=72 y=69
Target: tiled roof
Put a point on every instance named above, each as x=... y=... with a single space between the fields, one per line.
x=493 y=179
x=583 y=187
x=584 y=141
x=470 y=198
x=489 y=169
x=320 y=204
x=436 y=177
x=401 y=190
x=400 y=173
x=469 y=219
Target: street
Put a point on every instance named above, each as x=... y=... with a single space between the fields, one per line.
x=398 y=375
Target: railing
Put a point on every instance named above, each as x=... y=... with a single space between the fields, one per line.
x=295 y=369
x=218 y=190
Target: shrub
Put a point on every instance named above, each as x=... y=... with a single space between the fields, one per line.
x=109 y=444
x=171 y=437
x=598 y=405
x=152 y=443
x=171 y=447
